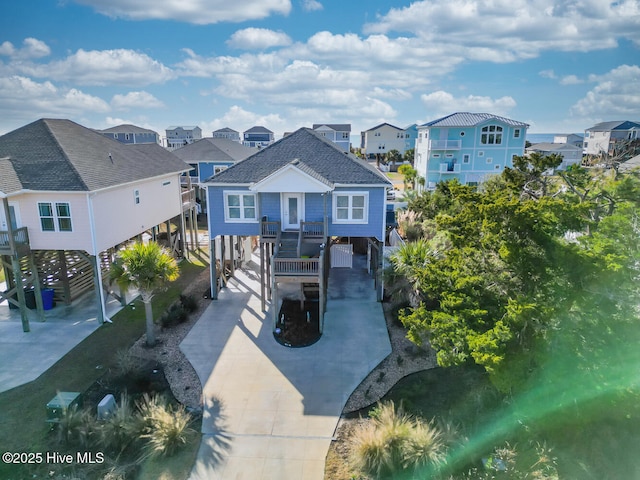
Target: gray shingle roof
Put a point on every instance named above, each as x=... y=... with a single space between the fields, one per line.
x=614 y=125
x=213 y=150
x=466 y=119
x=60 y=155
x=127 y=128
x=382 y=125
x=315 y=152
x=258 y=129
x=9 y=181
x=338 y=127
x=226 y=130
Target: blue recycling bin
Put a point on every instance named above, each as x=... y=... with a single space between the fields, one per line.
x=47 y=298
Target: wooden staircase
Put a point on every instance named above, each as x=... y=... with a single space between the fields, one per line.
x=288 y=245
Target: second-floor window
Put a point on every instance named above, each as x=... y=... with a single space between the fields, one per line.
x=239 y=207
x=55 y=217
x=516 y=133
x=350 y=207
x=491 y=135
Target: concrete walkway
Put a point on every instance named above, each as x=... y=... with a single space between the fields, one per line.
x=271 y=411
x=26 y=356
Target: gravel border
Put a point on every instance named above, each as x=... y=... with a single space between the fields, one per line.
x=183 y=379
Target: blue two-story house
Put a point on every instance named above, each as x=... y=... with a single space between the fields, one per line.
x=299 y=196
x=467 y=146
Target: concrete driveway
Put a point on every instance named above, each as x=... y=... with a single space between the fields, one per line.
x=26 y=356
x=271 y=411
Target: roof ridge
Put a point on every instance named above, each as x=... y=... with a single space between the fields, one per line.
x=64 y=153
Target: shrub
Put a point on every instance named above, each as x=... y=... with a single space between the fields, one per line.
x=423 y=448
x=77 y=428
x=175 y=315
x=127 y=364
x=119 y=431
x=165 y=428
x=394 y=441
x=189 y=303
x=378 y=445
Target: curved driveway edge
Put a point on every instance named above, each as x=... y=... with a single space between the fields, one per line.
x=270 y=412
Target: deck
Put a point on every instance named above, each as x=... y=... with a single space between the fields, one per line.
x=19 y=244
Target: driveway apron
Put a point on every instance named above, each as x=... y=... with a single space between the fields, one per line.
x=270 y=412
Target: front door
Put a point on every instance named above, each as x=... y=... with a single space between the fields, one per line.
x=15 y=217
x=291 y=210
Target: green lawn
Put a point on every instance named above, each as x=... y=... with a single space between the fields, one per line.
x=22 y=409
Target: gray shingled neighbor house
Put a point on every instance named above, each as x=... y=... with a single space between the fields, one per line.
x=309 y=204
x=69 y=196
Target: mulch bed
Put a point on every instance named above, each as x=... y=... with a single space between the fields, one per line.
x=298 y=327
x=148 y=378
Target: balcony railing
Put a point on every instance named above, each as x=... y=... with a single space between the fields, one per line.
x=20 y=239
x=449 y=167
x=296 y=266
x=188 y=199
x=445 y=144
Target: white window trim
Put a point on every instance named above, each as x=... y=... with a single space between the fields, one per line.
x=350 y=220
x=55 y=217
x=136 y=197
x=227 y=219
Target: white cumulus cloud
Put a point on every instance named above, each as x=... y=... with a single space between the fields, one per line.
x=614 y=97
x=22 y=99
x=199 y=12
x=32 y=48
x=311 y=5
x=258 y=39
x=102 y=67
x=441 y=103
x=509 y=30
x=135 y=100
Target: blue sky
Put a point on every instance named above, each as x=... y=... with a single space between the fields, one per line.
x=559 y=65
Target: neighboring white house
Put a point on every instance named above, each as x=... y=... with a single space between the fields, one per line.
x=72 y=195
x=382 y=139
x=338 y=133
x=180 y=136
x=606 y=136
x=571 y=154
x=569 y=138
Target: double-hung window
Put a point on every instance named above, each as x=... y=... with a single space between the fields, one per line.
x=240 y=207
x=350 y=207
x=55 y=217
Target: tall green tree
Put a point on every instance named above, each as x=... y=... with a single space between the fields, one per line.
x=527 y=260
x=147 y=267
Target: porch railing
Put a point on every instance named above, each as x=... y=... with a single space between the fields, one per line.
x=20 y=239
x=312 y=230
x=269 y=230
x=296 y=266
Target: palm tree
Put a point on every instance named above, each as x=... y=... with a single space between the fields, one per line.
x=148 y=267
x=407 y=270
